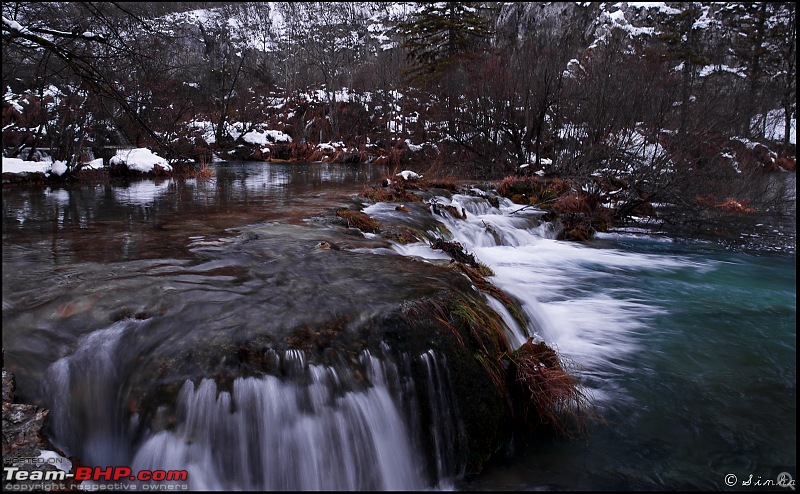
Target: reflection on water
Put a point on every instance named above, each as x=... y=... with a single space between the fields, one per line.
x=154 y=218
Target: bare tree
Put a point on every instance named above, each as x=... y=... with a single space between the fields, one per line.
x=91 y=41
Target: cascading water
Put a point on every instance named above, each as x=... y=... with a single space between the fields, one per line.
x=688 y=348
x=591 y=329
x=445 y=423
x=271 y=434
x=315 y=428
x=83 y=389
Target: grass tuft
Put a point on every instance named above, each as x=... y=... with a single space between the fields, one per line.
x=550 y=392
x=357 y=219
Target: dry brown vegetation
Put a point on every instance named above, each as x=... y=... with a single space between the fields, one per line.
x=357 y=219
x=552 y=394
x=580 y=214
x=533 y=380
x=729 y=204
x=402 y=235
x=390 y=194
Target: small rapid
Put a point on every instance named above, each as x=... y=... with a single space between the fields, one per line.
x=228 y=329
x=572 y=295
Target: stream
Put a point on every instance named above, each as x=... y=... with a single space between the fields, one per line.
x=686 y=347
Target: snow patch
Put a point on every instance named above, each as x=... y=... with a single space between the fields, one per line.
x=140 y=159
x=16 y=165
x=59 y=168
x=409 y=175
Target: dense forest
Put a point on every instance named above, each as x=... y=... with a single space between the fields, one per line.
x=684 y=103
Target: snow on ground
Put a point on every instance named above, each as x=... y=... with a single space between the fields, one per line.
x=409 y=175
x=140 y=159
x=94 y=164
x=16 y=165
x=265 y=137
x=59 y=168
x=413 y=147
x=52 y=458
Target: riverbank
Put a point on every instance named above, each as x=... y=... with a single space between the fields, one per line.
x=137 y=163
x=145 y=163
x=579 y=213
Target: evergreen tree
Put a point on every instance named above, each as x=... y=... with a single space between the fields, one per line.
x=681 y=34
x=440 y=35
x=784 y=57
x=772 y=66
x=747 y=26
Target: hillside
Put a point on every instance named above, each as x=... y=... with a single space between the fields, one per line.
x=684 y=103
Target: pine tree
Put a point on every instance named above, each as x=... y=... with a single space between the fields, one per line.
x=784 y=57
x=681 y=36
x=763 y=39
x=440 y=35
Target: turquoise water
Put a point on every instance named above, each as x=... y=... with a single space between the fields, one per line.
x=705 y=382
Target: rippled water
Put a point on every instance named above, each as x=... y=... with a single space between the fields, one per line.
x=688 y=347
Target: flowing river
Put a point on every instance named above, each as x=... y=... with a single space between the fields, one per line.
x=687 y=347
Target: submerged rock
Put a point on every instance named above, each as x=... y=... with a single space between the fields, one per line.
x=272 y=360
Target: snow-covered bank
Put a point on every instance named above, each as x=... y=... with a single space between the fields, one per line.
x=140 y=160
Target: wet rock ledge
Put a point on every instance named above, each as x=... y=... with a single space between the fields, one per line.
x=25 y=446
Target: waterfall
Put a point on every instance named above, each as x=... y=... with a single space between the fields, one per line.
x=316 y=427
x=445 y=423
x=81 y=390
x=274 y=434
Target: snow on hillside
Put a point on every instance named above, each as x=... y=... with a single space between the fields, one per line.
x=281 y=23
x=275 y=23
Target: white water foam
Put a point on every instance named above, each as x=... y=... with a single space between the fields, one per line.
x=562 y=287
x=274 y=434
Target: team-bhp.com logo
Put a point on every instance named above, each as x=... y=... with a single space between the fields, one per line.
x=99 y=474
